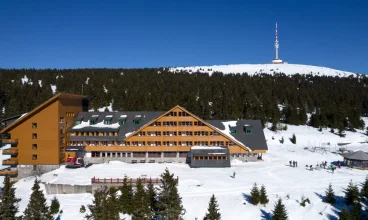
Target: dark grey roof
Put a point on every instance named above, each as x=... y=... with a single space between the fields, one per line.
x=127 y=127
x=357 y=155
x=8 y=121
x=255 y=140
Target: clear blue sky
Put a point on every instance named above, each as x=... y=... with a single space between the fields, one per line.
x=156 y=33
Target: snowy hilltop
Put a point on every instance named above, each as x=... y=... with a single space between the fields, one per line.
x=251 y=69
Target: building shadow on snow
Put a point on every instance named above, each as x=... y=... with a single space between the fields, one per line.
x=265 y=215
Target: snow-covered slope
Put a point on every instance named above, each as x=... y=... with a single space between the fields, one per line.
x=251 y=69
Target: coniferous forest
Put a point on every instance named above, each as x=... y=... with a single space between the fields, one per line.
x=332 y=101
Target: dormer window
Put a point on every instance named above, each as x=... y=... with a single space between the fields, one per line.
x=92 y=122
x=233 y=131
x=121 y=122
x=249 y=131
x=108 y=119
x=77 y=122
x=122 y=119
x=106 y=122
x=136 y=122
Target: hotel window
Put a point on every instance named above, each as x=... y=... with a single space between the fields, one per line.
x=34 y=157
x=34 y=136
x=106 y=122
x=233 y=131
x=34 y=125
x=169 y=154
x=136 y=122
x=121 y=122
x=61 y=119
x=249 y=131
x=139 y=154
x=92 y=122
x=34 y=146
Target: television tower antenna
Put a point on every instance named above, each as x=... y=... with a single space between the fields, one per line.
x=277 y=59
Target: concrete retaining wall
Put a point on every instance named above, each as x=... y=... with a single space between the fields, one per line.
x=67 y=189
x=34 y=170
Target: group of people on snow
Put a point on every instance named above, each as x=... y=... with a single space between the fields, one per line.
x=293 y=163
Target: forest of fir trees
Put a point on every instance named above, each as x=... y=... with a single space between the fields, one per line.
x=331 y=101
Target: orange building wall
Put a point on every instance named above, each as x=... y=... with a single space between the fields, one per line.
x=47 y=138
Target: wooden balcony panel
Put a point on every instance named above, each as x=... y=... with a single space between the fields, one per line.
x=9 y=172
x=10 y=162
x=11 y=151
x=137 y=148
x=152 y=128
x=10 y=141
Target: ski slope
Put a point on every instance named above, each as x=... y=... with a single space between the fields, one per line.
x=251 y=69
x=197 y=185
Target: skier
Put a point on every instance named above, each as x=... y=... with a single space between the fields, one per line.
x=339 y=165
x=290 y=162
x=310 y=167
x=234 y=174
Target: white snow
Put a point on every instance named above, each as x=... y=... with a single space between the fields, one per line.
x=102 y=109
x=3 y=110
x=251 y=69
x=25 y=79
x=109 y=116
x=21 y=116
x=104 y=87
x=129 y=133
x=196 y=186
x=87 y=80
x=53 y=88
x=40 y=82
x=98 y=125
x=123 y=116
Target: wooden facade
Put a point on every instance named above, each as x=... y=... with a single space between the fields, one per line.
x=40 y=137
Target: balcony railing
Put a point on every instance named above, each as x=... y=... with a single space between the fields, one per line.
x=12 y=173
x=10 y=162
x=10 y=141
x=11 y=151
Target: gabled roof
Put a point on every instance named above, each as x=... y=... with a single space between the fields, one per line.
x=41 y=107
x=128 y=127
x=255 y=140
x=357 y=155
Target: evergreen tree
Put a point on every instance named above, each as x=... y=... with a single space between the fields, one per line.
x=356 y=211
x=141 y=204
x=364 y=190
x=104 y=206
x=213 y=210
x=55 y=206
x=254 y=194
x=344 y=214
x=151 y=195
x=169 y=202
x=330 y=195
x=126 y=198
x=37 y=207
x=9 y=203
x=263 y=198
x=279 y=212
x=293 y=139
x=82 y=209
x=352 y=194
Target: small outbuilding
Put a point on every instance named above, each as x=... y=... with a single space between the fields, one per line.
x=357 y=159
x=204 y=156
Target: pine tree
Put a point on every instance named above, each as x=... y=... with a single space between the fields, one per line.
x=344 y=214
x=213 y=210
x=293 y=139
x=356 y=211
x=141 y=204
x=169 y=202
x=82 y=209
x=104 y=206
x=37 y=207
x=9 y=204
x=330 y=195
x=352 y=194
x=263 y=199
x=126 y=198
x=151 y=195
x=364 y=190
x=279 y=212
x=254 y=194
x=55 y=206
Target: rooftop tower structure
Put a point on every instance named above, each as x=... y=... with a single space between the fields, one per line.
x=277 y=59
